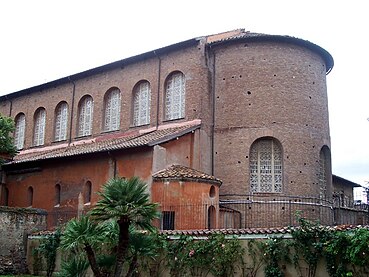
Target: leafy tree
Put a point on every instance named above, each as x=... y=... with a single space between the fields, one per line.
x=127 y=202
x=6 y=140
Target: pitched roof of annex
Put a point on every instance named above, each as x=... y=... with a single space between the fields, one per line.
x=238 y=35
x=109 y=142
x=344 y=181
x=184 y=173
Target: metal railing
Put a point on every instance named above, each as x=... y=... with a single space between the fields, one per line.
x=247 y=211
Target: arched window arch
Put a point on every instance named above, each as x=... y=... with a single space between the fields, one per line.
x=324 y=171
x=85 y=113
x=112 y=110
x=266 y=166
x=87 y=192
x=39 y=127
x=61 y=121
x=57 y=194
x=20 y=127
x=30 y=196
x=175 y=92
x=141 y=103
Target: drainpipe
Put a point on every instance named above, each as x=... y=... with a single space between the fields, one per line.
x=71 y=109
x=158 y=91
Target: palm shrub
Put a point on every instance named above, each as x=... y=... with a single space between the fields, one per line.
x=127 y=202
x=83 y=235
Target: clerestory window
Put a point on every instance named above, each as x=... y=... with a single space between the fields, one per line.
x=175 y=96
x=61 y=121
x=141 y=104
x=39 y=127
x=112 y=110
x=20 y=127
x=85 y=111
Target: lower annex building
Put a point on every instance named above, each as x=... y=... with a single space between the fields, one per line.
x=217 y=123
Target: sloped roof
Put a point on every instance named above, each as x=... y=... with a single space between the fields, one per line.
x=107 y=143
x=343 y=181
x=256 y=231
x=211 y=40
x=184 y=173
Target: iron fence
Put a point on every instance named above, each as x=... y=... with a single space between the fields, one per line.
x=246 y=211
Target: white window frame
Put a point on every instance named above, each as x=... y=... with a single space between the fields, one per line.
x=112 y=111
x=85 y=114
x=61 y=122
x=20 y=128
x=39 y=127
x=141 y=104
x=175 y=92
x=266 y=169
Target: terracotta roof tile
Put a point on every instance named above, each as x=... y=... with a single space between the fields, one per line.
x=255 y=231
x=184 y=173
x=121 y=141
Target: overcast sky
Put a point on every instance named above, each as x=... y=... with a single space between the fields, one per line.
x=46 y=40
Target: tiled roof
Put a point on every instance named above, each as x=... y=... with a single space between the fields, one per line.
x=254 y=231
x=107 y=143
x=184 y=173
x=239 y=232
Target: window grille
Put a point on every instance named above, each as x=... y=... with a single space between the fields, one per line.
x=266 y=166
x=85 y=117
x=20 y=126
x=39 y=130
x=141 y=104
x=168 y=220
x=175 y=97
x=61 y=120
x=112 y=111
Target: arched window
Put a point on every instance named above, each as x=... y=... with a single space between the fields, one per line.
x=141 y=103
x=61 y=121
x=175 y=96
x=39 y=127
x=20 y=127
x=87 y=191
x=211 y=217
x=85 y=110
x=324 y=171
x=5 y=197
x=57 y=194
x=266 y=166
x=112 y=110
x=30 y=196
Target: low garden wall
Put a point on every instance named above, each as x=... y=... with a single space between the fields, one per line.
x=15 y=226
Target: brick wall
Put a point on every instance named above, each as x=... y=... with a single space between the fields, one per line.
x=190 y=61
x=15 y=225
x=269 y=89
